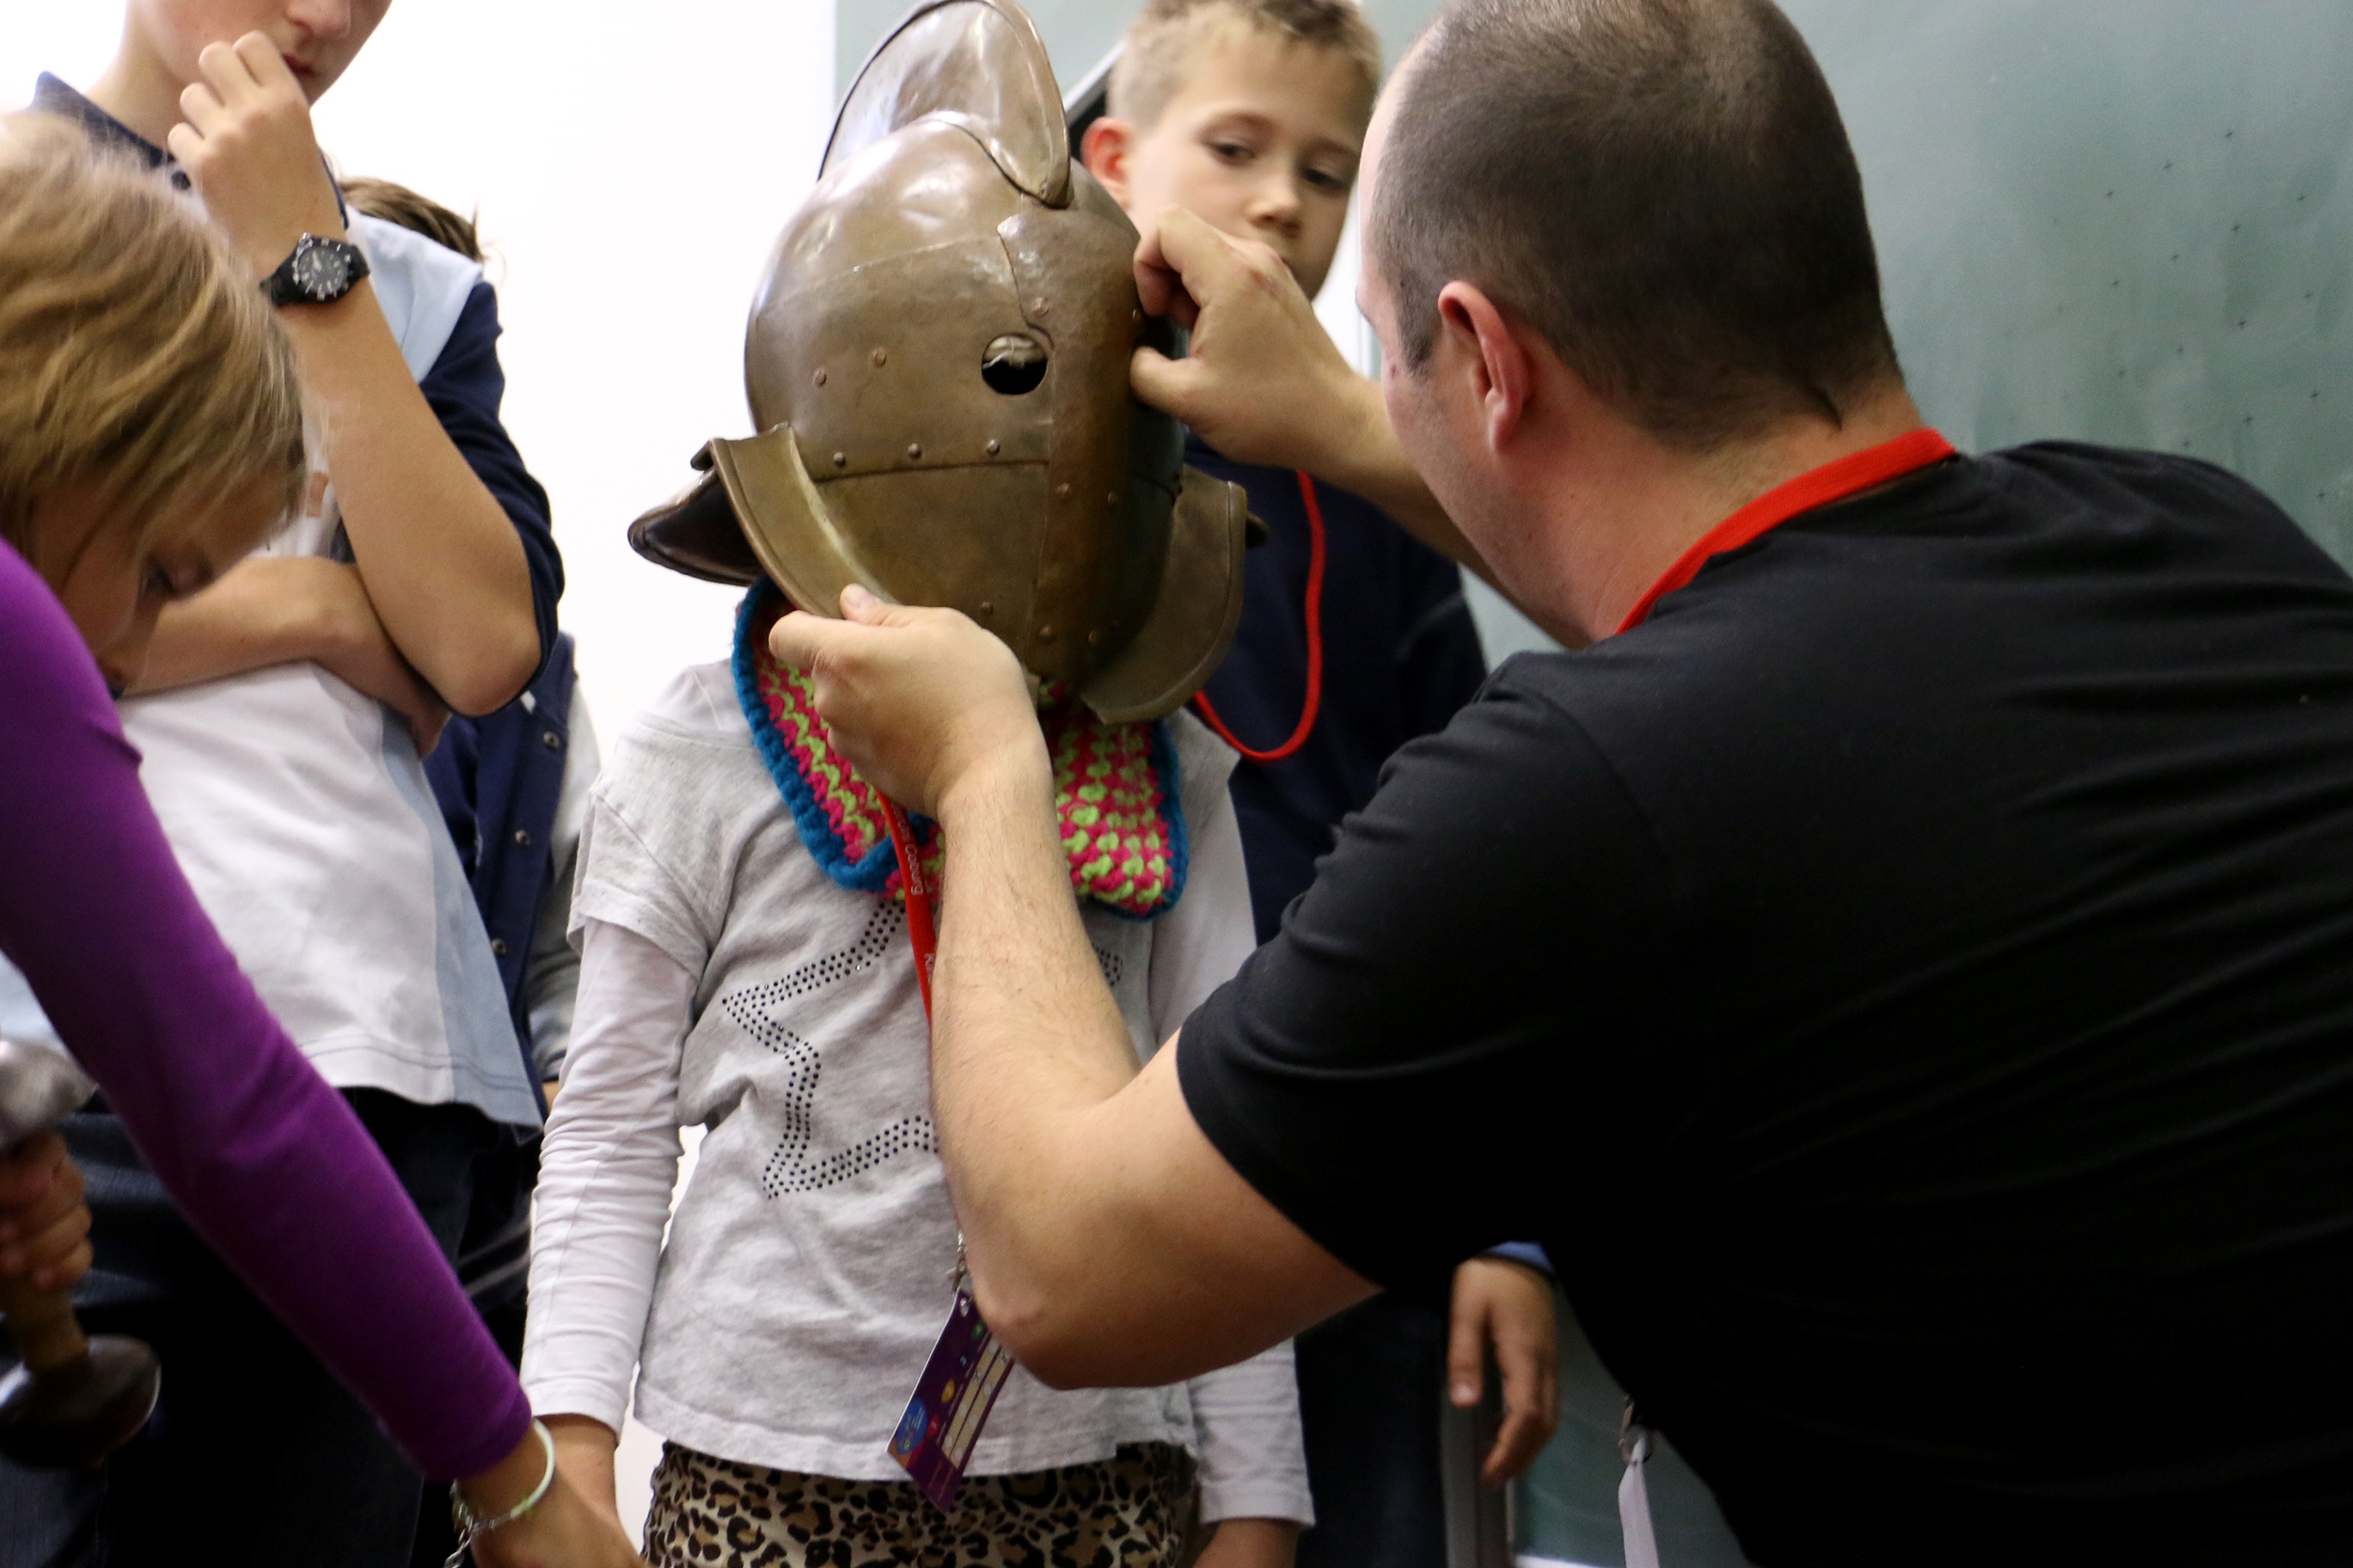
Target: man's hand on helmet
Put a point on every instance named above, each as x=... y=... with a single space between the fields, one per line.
x=1263 y=382
x=923 y=702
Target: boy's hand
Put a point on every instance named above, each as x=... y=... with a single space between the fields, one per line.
x=44 y=1227
x=349 y=642
x=1263 y=382
x=270 y=610
x=248 y=145
x=1508 y=1304
x=1251 y=1543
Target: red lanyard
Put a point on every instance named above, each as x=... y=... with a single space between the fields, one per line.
x=922 y=922
x=1833 y=481
x=1315 y=646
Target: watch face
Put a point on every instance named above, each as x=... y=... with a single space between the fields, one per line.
x=320 y=270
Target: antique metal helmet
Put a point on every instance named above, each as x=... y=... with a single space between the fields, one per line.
x=937 y=363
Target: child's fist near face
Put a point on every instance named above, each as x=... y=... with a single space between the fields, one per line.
x=248 y=145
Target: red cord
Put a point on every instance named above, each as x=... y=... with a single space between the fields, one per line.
x=922 y=917
x=1315 y=646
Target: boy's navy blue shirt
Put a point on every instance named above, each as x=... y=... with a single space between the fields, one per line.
x=464 y=390
x=1401 y=654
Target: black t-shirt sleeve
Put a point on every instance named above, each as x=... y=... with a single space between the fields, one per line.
x=1448 y=1040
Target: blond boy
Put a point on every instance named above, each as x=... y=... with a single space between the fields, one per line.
x=1251 y=114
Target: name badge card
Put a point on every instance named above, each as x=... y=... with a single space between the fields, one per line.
x=959 y=1386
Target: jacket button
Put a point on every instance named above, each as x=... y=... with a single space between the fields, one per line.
x=522 y=838
x=498 y=946
x=550 y=740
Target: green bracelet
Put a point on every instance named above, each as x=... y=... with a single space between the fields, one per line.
x=472 y=1527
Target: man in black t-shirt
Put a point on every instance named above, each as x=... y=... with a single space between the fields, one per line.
x=1902 y=971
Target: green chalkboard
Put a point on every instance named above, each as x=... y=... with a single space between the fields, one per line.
x=2119 y=220
x=2127 y=221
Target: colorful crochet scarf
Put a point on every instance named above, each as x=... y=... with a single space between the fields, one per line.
x=1116 y=792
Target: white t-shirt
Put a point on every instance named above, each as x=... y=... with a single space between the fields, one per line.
x=728 y=983
x=300 y=813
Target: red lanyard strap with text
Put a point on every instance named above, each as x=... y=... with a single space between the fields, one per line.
x=1834 y=481
x=923 y=906
x=967 y=1367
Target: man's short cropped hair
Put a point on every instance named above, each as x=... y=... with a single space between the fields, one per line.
x=1150 y=70
x=1662 y=188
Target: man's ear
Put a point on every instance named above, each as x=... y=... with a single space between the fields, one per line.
x=1104 y=149
x=1486 y=345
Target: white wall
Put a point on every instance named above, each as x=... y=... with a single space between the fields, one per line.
x=631 y=163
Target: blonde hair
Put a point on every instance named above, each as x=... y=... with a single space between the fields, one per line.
x=1152 y=57
x=137 y=359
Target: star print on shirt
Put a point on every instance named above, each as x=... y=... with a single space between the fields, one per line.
x=793 y=1168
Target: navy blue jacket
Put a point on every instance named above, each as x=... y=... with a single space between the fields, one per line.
x=1401 y=654
x=498 y=780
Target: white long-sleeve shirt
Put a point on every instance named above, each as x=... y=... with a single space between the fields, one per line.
x=728 y=983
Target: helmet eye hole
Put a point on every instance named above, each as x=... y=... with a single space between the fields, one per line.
x=1013 y=364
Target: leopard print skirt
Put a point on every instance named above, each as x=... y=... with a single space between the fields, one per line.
x=1130 y=1510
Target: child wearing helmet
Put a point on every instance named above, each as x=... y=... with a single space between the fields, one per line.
x=937 y=369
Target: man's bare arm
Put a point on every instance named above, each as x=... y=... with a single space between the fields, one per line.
x=1110 y=1243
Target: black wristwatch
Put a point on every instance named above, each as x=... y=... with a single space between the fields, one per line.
x=318 y=273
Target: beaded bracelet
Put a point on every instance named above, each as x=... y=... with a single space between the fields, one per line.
x=472 y=1527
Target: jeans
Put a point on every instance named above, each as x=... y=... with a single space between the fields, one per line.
x=256 y=1453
